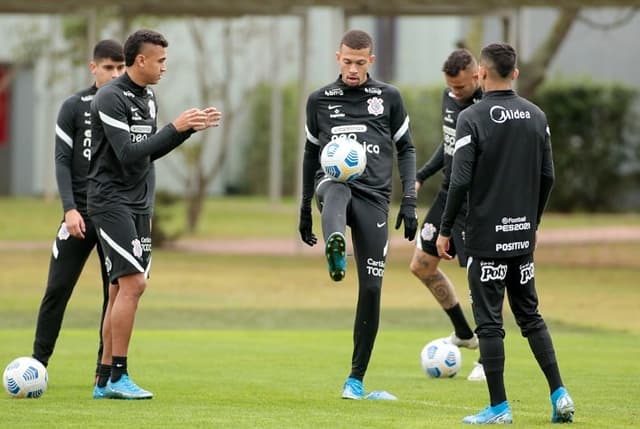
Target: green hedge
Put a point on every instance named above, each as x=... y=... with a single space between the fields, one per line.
x=594 y=134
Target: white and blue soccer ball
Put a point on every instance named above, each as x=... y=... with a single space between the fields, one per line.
x=25 y=377
x=440 y=359
x=343 y=159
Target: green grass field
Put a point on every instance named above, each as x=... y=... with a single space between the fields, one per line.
x=33 y=219
x=227 y=341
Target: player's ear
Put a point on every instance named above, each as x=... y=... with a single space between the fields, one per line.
x=338 y=56
x=516 y=73
x=482 y=73
x=372 y=59
x=93 y=67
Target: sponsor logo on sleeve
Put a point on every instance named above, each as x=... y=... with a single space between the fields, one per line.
x=449 y=136
x=86 y=144
x=152 y=109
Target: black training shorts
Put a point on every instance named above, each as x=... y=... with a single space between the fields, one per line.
x=125 y=238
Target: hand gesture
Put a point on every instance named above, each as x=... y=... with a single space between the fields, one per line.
x=192 y=118
x=213 y=118
x=409 y=216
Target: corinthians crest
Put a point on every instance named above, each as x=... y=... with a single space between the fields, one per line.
x=137 y=248
x=375 y=106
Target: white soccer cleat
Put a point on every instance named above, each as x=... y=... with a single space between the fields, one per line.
x=471 y=343
x=477 y=373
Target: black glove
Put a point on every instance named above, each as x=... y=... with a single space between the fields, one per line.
x=409 y=215
x=305 y=225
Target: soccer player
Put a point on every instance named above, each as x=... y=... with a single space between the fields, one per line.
x=503 y=166
x=461 y=76
x=373 y=113
x=125 y=144
x=76 y=236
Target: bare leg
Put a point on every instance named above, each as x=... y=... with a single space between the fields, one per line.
x=107 y=341
x=425 y=268
x=123 y=311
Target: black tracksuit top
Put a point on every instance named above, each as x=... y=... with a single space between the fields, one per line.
x=503 y=165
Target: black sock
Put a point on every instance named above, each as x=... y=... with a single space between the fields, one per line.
x=542 y=348
x=492 y=352
x=462 y=328
x=118 y=368
x=104 y=371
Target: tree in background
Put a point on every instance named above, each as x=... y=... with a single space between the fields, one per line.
x=218 y=71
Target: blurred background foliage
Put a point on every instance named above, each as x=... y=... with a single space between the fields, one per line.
x=596 y=144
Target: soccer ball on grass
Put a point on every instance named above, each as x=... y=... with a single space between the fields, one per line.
x=441 y=359
x=343 y=159
x=25 y=377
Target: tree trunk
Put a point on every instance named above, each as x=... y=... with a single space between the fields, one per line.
x=533 y=72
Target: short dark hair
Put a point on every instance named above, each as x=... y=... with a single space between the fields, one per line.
x=499 y=56
x=133 y=44
x=457 y=61
x=108 y=49
x=357 y=39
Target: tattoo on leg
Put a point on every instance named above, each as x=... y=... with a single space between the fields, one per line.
x=439 y=286
x=425 y=267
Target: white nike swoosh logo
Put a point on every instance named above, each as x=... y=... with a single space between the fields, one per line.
x=333 y=106
x=448 y=111
x=380 y=225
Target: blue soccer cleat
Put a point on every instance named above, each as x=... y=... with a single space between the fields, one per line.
x=100 y=392
x=562 y=406
x=125 y=388
x=353 y=389
x=336 y=253
x=497 y=415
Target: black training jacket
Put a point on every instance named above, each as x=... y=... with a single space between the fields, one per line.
x=73 y=149
x=503 y=160
x=372 y=113
x=442 y=157
x=125 y=144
